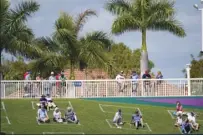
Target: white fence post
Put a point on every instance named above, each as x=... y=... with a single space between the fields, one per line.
x=106 y=89
x=188 y=79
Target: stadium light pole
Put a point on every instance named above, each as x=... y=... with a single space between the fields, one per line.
x=188 y=78
x=200 y=9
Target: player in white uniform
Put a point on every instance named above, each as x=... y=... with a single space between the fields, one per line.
x=117 y=120
x=57 y=115
x=179 y=121
x=192 y=121
x=50 y=102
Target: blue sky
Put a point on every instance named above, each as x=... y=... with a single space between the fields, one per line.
x=169 y=53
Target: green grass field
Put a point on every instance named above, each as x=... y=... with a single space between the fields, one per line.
x=19 y=117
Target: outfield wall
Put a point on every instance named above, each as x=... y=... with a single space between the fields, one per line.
x=189 y=102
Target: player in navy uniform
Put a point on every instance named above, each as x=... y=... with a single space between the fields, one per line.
x=42 y=102
x=137 y=119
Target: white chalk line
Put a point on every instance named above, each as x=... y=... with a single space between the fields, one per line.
x=8 y=120
x=101 y=105
x=101 y=108
x=109 y=123
x=44 y=133
x=125 y=128
x=148 y=127
x=4 y=108
x=33 y=107
x=169 y=111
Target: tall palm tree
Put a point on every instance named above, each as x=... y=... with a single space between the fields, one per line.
x=66 y=44
x=143 y=15
x=15 y=35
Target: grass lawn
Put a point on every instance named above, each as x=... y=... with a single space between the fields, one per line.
x=19 y=117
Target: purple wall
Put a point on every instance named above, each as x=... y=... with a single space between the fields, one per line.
x=190 y=101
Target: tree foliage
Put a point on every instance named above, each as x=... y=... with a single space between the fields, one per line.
x=125 y=59
x=196 y=67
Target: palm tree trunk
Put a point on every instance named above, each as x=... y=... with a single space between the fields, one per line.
x=144 y=54
x=72 y=70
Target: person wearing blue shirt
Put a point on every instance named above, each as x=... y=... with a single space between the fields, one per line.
x=185 y=127
x=137 y=120
x=134 y=77
x=42 y=115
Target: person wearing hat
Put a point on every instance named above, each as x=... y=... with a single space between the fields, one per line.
x=192 y=120
x=117 y=120
x=137 y=119
x=121 y=84
x=42 y=102
x=63 y=84
x=52 y=82
x=70 y=116
x=57 y=115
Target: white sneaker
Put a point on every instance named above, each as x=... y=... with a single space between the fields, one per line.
x=119 y=127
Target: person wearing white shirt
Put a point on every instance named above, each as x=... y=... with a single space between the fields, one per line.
x=117 y=120
x=57 y=115
x=50 y=84
x=120 y=82
x=50 y=102
x=179 y=121
x=192 y=120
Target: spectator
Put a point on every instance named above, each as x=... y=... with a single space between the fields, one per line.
x=159 y=76
x=63 y=83
x=51 y=84
x=28 y=76
x=134 y=77
x=58 y=78
x=121 y=84
x=146 y=75
x=38 y=77
x=52 y=77
x=24 y=76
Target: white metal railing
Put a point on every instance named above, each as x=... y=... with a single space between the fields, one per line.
x=101 y=88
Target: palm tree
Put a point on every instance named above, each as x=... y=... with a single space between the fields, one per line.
x=143 y=15
x=66 y=44
x=15 y=35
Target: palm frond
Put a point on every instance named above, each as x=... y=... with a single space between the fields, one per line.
x=100 y=37
x=171 y=25
x=23 y=48
x=23 y=11
x=125 y=23
x=163 y=9
x=47 y=43
x=4 y=6
x=118 y=7
x=65 y=21
x=82 y=18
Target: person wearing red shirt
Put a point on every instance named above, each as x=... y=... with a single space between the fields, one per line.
x=24 y=76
